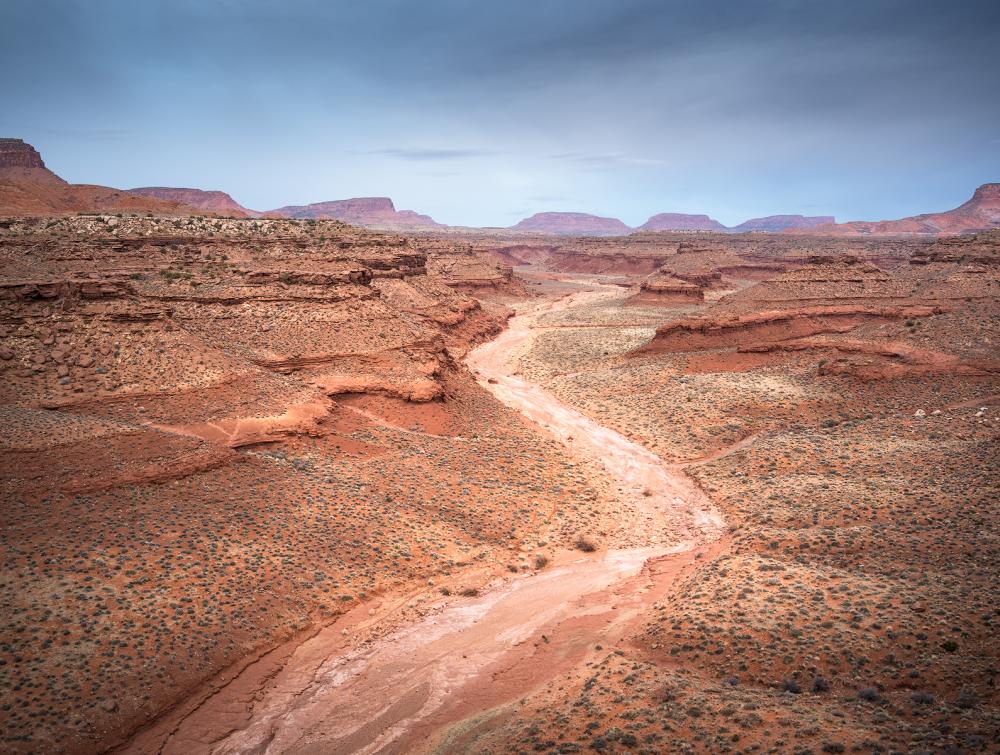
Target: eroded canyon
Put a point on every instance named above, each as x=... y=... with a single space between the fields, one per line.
x=279 y=485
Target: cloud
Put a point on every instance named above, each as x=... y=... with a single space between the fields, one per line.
x=426 y=153
x=597 y=161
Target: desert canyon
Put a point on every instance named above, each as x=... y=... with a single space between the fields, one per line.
x=338 y=478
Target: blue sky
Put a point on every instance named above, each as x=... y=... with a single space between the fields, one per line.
x=482 y=113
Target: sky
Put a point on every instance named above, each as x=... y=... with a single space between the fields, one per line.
x=481 y=113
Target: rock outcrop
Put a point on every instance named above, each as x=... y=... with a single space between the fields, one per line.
x=865 y=322
x=634 y=254
x=472 y=270
x=719 y=332
x=663 y=288
x=343 y=309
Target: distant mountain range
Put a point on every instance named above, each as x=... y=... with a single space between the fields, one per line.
x=27 y=187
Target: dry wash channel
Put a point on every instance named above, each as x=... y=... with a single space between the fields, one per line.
x=438 y=683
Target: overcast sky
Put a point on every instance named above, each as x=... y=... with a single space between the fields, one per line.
x=480 y=113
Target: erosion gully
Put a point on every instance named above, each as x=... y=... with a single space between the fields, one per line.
x=437 y=683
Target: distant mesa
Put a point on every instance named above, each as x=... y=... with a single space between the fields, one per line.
x=28 y=187
x=368 y=212
x=572 y=224
x=777 y=223
x=213 y=201
x=676 y=221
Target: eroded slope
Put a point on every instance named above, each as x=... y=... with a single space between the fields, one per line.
x=221 y=433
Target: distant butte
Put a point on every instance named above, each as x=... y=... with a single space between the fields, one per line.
x=28 y=187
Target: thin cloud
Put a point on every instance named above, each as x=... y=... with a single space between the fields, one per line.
x=606 y=161
x=424 y=154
